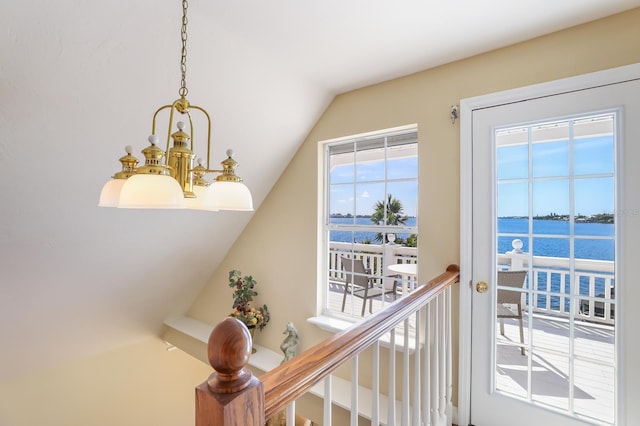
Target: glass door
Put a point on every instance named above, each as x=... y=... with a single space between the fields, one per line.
x=552 y=190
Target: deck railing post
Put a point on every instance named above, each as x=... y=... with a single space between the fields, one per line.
x=389 y=254
x=516 y=256
x=231 y=396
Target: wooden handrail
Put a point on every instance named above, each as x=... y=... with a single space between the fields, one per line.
x=289 y=381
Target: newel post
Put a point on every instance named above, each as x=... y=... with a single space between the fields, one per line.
x=231 y=396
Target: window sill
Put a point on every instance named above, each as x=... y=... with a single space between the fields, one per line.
x=330 y=324
x=264 y=359
x=336 y=325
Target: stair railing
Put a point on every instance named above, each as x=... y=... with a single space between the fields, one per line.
x=233 y=396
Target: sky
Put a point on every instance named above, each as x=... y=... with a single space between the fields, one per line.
x=593 y=183
x=591 y=162
x=369 y=187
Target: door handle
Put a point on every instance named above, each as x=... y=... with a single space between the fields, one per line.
x=482 y=287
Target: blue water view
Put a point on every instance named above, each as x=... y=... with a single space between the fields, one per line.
x=551 y=238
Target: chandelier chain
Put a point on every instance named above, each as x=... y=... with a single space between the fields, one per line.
x=183 y=59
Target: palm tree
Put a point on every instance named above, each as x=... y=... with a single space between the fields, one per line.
x=394 y=214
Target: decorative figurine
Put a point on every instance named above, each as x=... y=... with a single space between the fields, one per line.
x=290 y=343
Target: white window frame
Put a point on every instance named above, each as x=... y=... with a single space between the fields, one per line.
x=332 y=320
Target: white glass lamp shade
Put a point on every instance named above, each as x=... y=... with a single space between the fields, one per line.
x=148 y=191
x=228 y=196
x=110 y=194
x=198 y=202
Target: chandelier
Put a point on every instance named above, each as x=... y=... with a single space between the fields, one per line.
x=168 y=179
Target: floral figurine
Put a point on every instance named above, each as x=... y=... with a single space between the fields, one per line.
x=242 y=297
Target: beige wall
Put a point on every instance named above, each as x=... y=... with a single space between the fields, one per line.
x=141 y=384
x=279 y=246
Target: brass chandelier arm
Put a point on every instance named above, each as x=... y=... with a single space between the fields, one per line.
x=182 y=106
x=206 y=114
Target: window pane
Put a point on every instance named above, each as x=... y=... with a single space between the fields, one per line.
x=407 y=195
x=550 y=202
x=552 y=247
x=402 y=162
x=341 y=201
x=594 y=199
x=594 y=155
x=550 y=146
x=342 y=236
x=551 y=159
x=513 y=162
x=513 y=201
x=595 y=249
x=594 y=146
x=341 y=165
x=367 y=195
x=370 y=165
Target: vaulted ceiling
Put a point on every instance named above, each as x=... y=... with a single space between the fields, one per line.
x=79 y=80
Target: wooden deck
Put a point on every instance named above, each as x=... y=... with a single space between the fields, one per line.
x=585 y=388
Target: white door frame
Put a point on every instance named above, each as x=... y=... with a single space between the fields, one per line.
x=467 y=106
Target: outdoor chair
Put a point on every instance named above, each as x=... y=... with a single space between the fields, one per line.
x=598 y=307
x=359 y=279
x=513 y=279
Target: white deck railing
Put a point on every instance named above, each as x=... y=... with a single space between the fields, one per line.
x=593 y=281
x=593 y=292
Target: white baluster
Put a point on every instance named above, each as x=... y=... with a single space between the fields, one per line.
x=435 y=386
x=442 y=366
x=327 y=401
x=405 y=376
x=426 y=370
x=391 y=412
x=291 y=414
x=415 y=417
x=375 y=404
x=449 y=351
x=354 y=391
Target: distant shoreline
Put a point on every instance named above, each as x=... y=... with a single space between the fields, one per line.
x=358 y=216
x=606 y=218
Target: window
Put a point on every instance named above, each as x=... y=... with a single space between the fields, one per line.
x=369 y=220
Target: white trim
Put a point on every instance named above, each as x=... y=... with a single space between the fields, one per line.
x=565 y=85
x=620 y=227
x=372 y=134
x=466 y=226
x=467 y=106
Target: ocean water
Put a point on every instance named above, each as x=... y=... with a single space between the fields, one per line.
x=593 y=240
x=551 y=238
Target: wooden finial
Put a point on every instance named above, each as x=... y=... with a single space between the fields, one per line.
x=229 y=350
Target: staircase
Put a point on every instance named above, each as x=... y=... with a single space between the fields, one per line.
x=411 y=361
